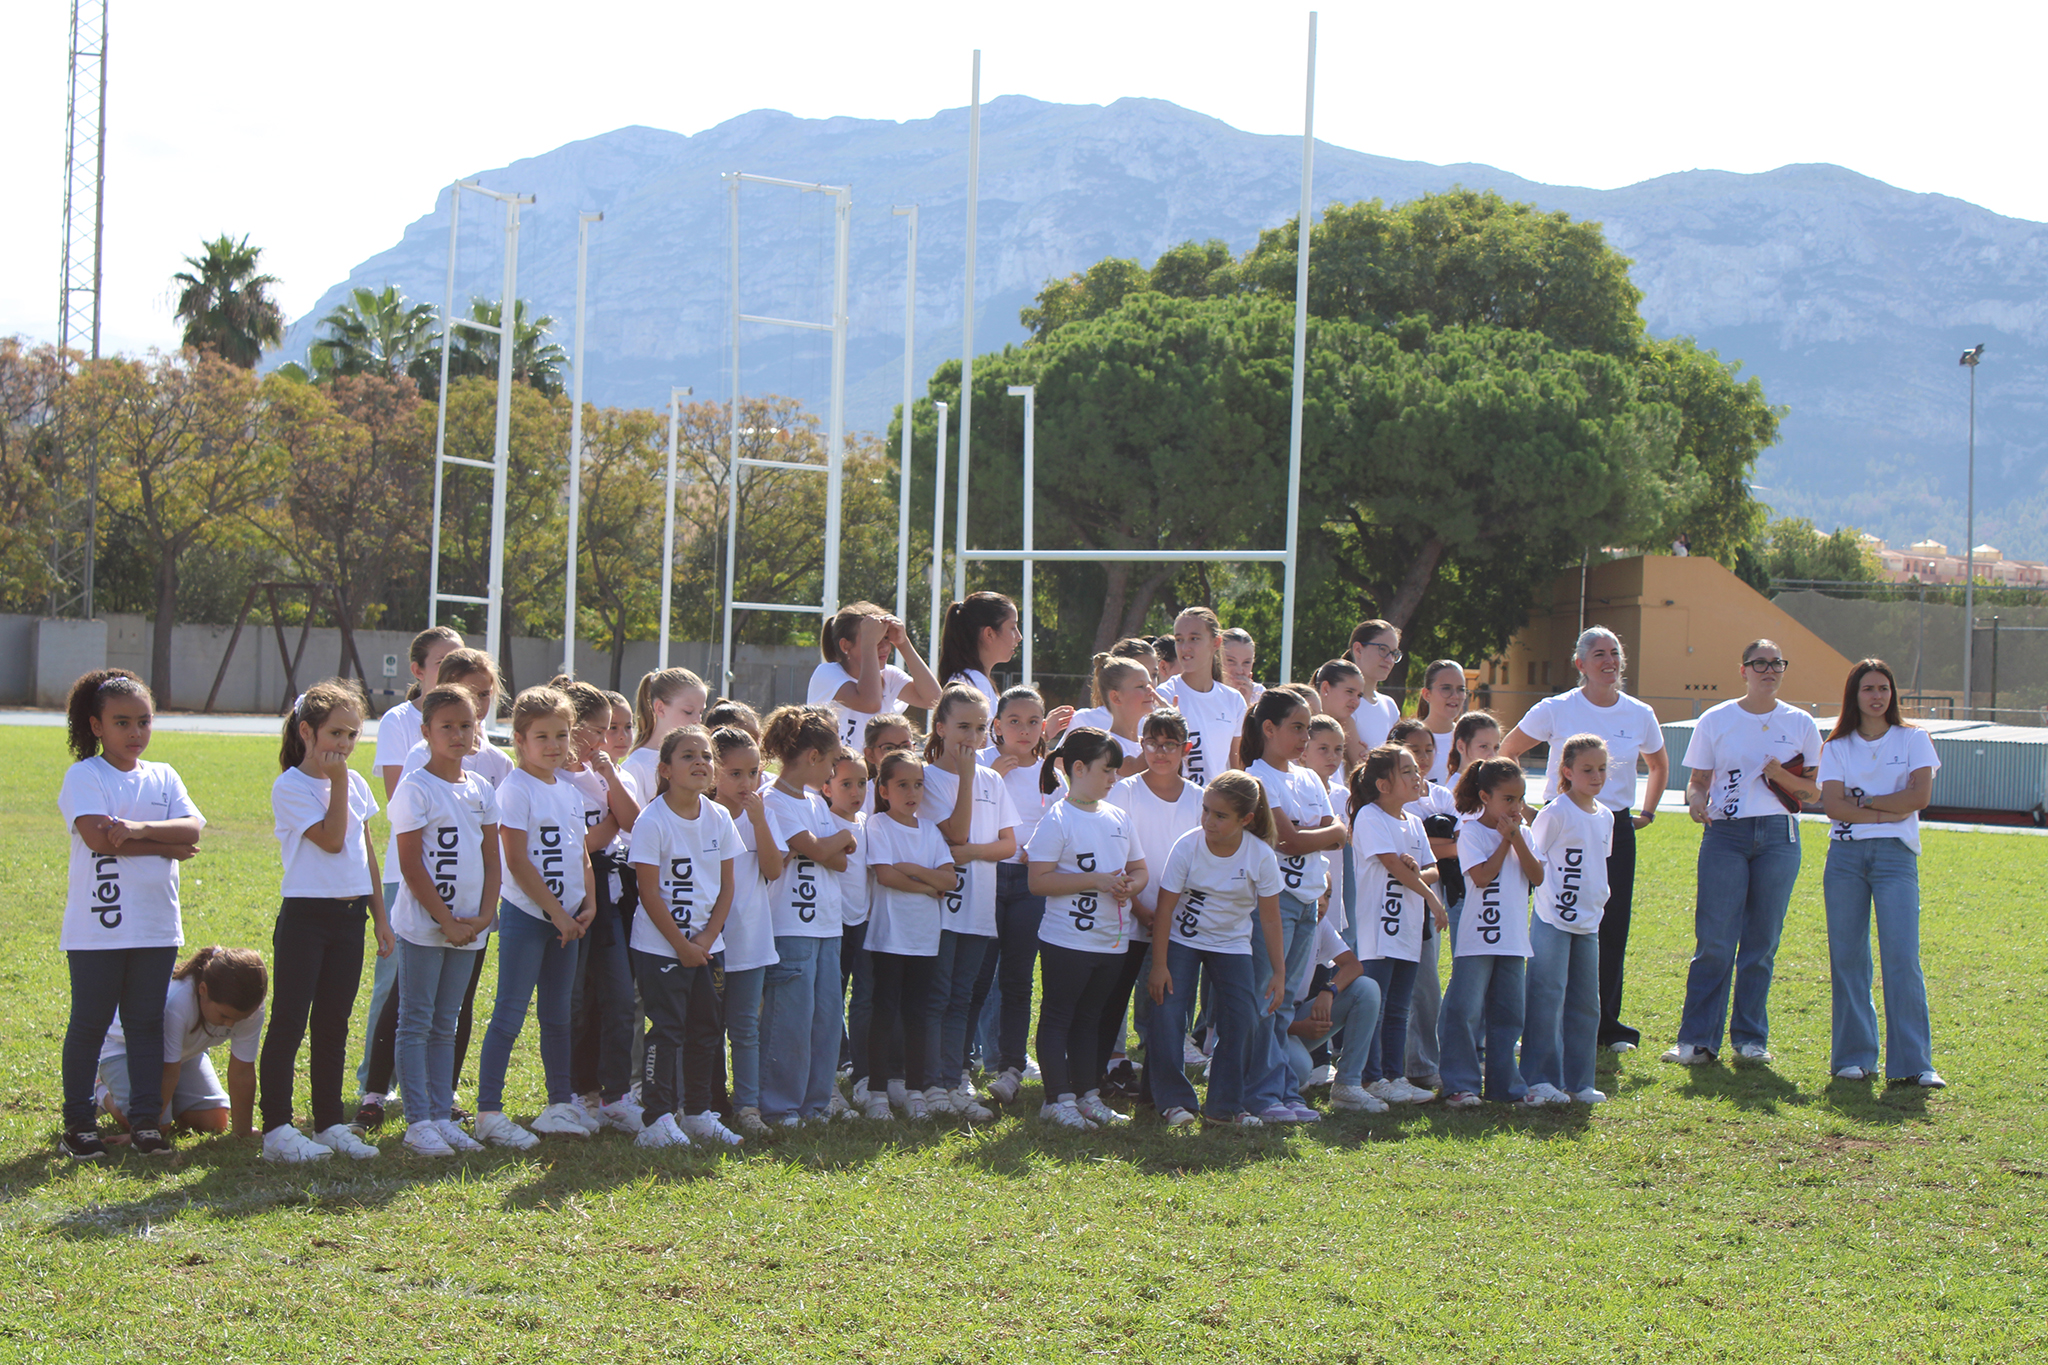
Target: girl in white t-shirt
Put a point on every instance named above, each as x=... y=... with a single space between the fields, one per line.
x=1482 y=1009
x=548 y=907
x=911 y=869
x=845 y=792
x=1122 y=692
x=215 y=995
x=857 y=680
x=1162 y=806
x=131 y=825
x=1221 y=883
x=1084 y=863
x=1441 y=704
x=331 y=886
x=1397 y=880
x=1374 y=650
x=1438 y=811
x=1572 y=837
x=1215 y=712
x=665 y=699
x=980 y=631
x=1876 y=776
x=444 y=820
x=1002 y=994
x=685 y=852
x=749 y=928
x=399 y=728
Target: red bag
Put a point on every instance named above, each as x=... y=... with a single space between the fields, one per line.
x=1797 y=767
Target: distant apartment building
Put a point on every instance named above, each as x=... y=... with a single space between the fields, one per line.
x=1929 y=561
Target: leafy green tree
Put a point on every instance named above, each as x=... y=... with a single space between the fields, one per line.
x=536 y=361
x=619 y=523
x=226 y=305
x=1793 y=548
x=378 y=332
x=1724 y=425
x=30 y=377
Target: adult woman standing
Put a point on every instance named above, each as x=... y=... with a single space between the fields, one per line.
x=1745 y=794
x=1876 y=776
x=1598 y=706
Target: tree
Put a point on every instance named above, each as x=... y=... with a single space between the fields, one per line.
x=378 y=332
x=535 y=360
x=619 y=522
x=1724 y=425
x=29 y=379
x=225 y=305
x=184 y=460
x=1793 y=548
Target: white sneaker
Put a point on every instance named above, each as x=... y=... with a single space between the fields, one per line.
x=1852 y=1073
x=287 y=1144
x=1930 y=1080
x=860 y=1093
x=1092 y=1108
x=1754 y=1052
x=1543 y=1092
x=966 y=1085
x=1685 y=1054
x=750 y=1121
x=838 y=1108
x=1411 y=1092
x=1621 y=1045
x=559 y=1120
x=1003 y=1089
x=1325 y=1074
x=585 y=1113
x=1177 y=1117
x=939 y=1100
x=1190 y=1054
x=1385 y=1091
x=422 y=1138
x=500 y=1131
x=1353 y=1099
x=970 y=1108
x=705 y=1127
x=898 y=1096
x=1031 y=1071
x=622 y=1114
x=877 y=1109
x=452 y=1134
x=342 y=1140
x=1590 y=1095
x=914 y=1106
x=662 y=1133
x=1066 y=1114
x=790 y=1121
x=1461 y=1099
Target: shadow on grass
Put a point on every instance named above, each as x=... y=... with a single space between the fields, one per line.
x=1753 y=1087
x=1874 y=1102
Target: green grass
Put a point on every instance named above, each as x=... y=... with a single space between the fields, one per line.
x=1707 y=1214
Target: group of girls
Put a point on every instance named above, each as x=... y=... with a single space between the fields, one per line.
x=822 y=896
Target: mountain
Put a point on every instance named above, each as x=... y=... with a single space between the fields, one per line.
x=1850 y=298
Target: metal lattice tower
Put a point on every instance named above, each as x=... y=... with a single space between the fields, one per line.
x=75 y=491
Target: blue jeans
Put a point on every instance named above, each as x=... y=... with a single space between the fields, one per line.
x=800 y=1025
x=1866 y=879
x=1746 y=871
x=531 y=960
x=1350 y=904
x=743 y=1027
x=1006 y=972
x=431 y=984
x=1268 y=1079
x=1423 y=1058
x=1482 y=1007
x=1354 y=1013
x=954 y=975
x=382 y=978
x=1388 y=1046
x=104 y=982
x=1236 y=1009
x=1561 y=1024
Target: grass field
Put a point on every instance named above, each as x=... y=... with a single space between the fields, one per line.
x=1705 y=1214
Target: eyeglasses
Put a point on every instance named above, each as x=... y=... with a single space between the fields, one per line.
x=1767 y=665
x=1394 y=656
x=1163 y=746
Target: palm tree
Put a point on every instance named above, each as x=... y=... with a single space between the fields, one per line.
x=375 y=333
x=535 y=359
x=226 y=306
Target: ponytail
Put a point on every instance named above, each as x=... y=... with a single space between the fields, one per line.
x=659 y=686
x=1469 y=724
x=1380 y=766
x=1483 y=778
x=89 y=698
x=1274 y=705
x=668 y=749
x=313 y=707
x=959 y=646
x=423 y=645
x=1080 y=744
x=956 y=695
x=1247 y=797
x=1429 y=677
x=891 y=762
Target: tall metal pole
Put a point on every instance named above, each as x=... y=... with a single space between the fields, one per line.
x=501 y=446
x=967 y=332
x=939 y=531
x=1308 y=167
x=441 y=409
x=668 y=519
x=732 y=451
x=583 y=222
x=903 y=457
x=1029 y=393
x=1970 y=359
x=835 y=458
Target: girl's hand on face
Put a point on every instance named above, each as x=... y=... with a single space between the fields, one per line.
x=333 y=765
x=750 y=803
x=600 y=761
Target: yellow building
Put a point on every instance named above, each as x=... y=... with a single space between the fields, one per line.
x=1683 y=622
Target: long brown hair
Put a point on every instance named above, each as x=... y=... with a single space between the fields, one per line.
x=960 y=636
x=235 y=978
x=89 y=697
x=1852 y=712
x=313 y=707
x=423 y=645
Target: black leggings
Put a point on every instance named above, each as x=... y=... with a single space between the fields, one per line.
x=130 y=982
x=1074 y=992
x=1621 y=894
x=384 y=1042
x=316 y=963
x=896 y=1032
x=1137 y=957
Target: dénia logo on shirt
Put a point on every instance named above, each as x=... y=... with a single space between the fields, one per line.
x=1082 y=910
x=1291 y=868
x=1197 y=760
x=682 y=891
x=958 y=895
x=1187 y=916
x=1391 y=906
x=803 y=890
x=551 y=862
x=1569 y=882
x=1489 y=913
x=1732 y=802
x=1843 y=830
x=446 y=862
x=106 y=891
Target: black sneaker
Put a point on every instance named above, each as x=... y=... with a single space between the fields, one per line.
x=369 y=1117
x=149 y=1142
x=461 y=1115
x=83 y=1146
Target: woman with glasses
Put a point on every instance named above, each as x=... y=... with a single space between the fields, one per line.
x=1442 y=702
x=1375 y=649
x=1598 y=706
x=1753 y=761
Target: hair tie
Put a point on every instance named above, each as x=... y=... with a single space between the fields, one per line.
x=297 y=702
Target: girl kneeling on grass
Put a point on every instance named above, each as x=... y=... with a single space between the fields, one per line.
x=1489 y=939
x=1573 y=835
x=913 y=868
x=217 y=994
x=1215 y=880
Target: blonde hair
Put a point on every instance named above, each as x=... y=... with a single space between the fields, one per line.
x=1573 y=747
x=537 y=702
x=1248 y=798
x=659 y=686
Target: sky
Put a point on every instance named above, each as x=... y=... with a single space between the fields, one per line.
x=320 y=131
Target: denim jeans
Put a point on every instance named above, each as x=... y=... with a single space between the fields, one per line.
x=1009 y=980
x=603 y=1026
x=955 y=972
x=431 y=984
x=1235 y=1008
x=800 y=1025
x=1268 y=1079
x=1866 y=879
x=532 y=961
x=1355 y=1014
x=1482 y=1009
x=743 y=1028
x=1561 y=1022
x=130 y=982
x=1389 y=1042
x=383 y=977
x=1746 y=870
x=1350 y=891
x=1423 y=1059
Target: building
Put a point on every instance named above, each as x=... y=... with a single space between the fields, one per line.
x=1929 y=561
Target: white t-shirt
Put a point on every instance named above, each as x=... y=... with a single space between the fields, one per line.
x=397 y=731
x=551 y=813
x=1733 y=744
x=1439 y=772
x=1219 y=896
x=1214 y=718
x=1389 y=914
x=1076 y=840
x=688 y=858
x=490 y=763
x=298 y=802
x=1573 y=845
x=1156 y=826
x=1306 y=801
x=644 y=767
x=1026 y=800
x=853 y=882
x=827 y=679
x=1882 y=768
x=1437 y=799
x=971 y=909
x=804 y=901
x=115 y=901
x=975 y=679
x=903 y=922
x=188 y=1035
x=451 y=818
x=749 y=934
x=1629 y=727
x=1375 y=718
x=1495 y=919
